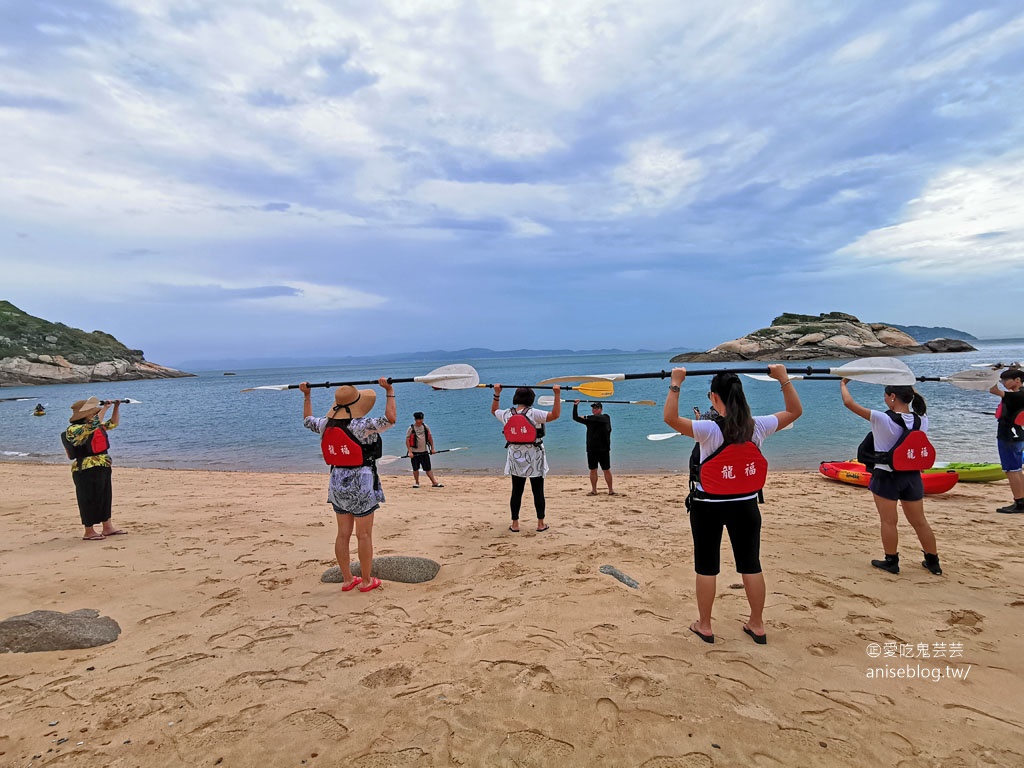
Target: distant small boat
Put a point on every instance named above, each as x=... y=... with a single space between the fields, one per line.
x=228 y=373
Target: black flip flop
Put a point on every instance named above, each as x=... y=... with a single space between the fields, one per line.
x=702 y=636
x=514 y=530
x=759 y=639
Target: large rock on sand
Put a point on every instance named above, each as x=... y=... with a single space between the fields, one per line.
x=56 y=631
x=408 y=570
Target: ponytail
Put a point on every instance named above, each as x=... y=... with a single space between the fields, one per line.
x=737 y=425
x=910 y=396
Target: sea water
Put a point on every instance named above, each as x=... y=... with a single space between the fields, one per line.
x=207 y=423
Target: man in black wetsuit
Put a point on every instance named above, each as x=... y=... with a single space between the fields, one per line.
x=599 y=443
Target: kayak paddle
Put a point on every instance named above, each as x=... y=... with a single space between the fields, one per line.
x=873 y=370
x=550 y=400
x=390 y=459
x=670 y=435
x=976 y=379
x=457 y=376
x=122 y=401
x=588 y=388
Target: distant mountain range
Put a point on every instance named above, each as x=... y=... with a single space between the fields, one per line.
x=435 y=355
x=927 y=333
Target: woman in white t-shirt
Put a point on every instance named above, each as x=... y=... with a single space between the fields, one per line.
x=711 y=511
x=890 y=487
x=526 y=460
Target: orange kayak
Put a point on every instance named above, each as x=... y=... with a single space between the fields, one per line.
x=855 y=473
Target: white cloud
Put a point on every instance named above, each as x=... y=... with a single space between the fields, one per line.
x=967 y=220
x=863 y=47
x=654 y=177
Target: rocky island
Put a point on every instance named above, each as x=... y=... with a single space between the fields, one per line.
x=828 y=335
x=36 y=351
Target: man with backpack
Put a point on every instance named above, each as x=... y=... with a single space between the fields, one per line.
x=1010 y=435
x=419 y=442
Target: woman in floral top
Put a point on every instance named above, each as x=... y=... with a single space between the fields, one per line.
x=355 y=493
x=86 y=443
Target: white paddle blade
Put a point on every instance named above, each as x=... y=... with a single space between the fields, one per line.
x=274 y=387
x=457 y=376
x=462 y=448
x=546 y=400
x=584 y=377
x=877 y=370
x=979 y=380
x=389 y=459
x=664 y=436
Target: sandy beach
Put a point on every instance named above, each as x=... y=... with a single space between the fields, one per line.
x=520 y=652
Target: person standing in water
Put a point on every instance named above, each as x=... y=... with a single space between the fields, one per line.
x=725 y=492
x=905 y=412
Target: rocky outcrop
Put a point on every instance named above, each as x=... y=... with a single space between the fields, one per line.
x=55 y=369
x=828 y=335
x=37 y=351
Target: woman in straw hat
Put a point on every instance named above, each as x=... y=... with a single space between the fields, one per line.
x=85 y=441
x=351 y=444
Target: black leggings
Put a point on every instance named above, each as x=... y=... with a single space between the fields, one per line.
x=741 y=518
x=518 y=486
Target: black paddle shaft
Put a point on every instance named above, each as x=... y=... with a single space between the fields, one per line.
x=808 y=371
x=352 y=383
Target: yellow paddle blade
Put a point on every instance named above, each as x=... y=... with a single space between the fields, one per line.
x=595 y=388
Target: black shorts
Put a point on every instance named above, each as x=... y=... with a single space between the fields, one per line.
x=897 y=486
x=599 y=458
x=742 y=518
x=421 y=461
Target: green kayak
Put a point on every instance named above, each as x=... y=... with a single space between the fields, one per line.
x=971 y=472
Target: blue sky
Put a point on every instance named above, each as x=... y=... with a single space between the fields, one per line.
x=247 y=178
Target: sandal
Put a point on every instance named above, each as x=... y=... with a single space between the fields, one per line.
x=374 y=584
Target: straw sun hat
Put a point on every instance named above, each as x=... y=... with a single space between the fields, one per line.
x=351 y=403
x=84 y=409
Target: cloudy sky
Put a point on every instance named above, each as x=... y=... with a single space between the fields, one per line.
x=246 y=178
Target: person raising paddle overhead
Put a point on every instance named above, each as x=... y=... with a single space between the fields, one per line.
x=1010 y=435
x=891 y=481
x=731 y=474
x=351 y=443
x=524 y=434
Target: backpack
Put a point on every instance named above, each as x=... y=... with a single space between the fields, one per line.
x=95 y=445
x=410 y=437
x=341 y=448
x=733 y=471
x=912 y=451
x=519 y=430
x=1016 y=425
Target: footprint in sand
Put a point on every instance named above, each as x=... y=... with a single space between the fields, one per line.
x=821 y=650
x=608 y=711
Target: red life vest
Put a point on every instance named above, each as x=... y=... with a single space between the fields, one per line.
x=410 y=437
x=912 y=451
x=341 y=448
x=97 y=443
x=519 y=430
x=733 y=471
